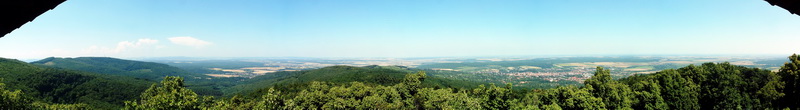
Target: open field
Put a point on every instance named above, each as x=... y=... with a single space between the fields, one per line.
x=222 y=75
x=640 y=68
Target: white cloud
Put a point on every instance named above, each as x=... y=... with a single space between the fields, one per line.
x=121 y=46
x=124 y=45
x=189 y=41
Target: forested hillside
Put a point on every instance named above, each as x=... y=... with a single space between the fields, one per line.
x=295 y=81
x=198 y=82
x=114 y=66
x=49 y=87
x=705 y=86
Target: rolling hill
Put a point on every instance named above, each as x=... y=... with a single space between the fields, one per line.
x=53 y=85
x=375 y=75
x=120 y=67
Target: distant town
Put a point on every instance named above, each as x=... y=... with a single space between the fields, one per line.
x=515 y=69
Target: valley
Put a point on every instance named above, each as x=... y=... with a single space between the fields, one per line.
x=499 y=70
x=256 y=77
x=400 y=55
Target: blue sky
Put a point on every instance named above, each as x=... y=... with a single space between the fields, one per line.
x=403 y=28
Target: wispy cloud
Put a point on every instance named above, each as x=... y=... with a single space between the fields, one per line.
x=121 y=46
x=189 y=41
x=124 y=45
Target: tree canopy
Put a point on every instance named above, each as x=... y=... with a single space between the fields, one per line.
x=704 y=86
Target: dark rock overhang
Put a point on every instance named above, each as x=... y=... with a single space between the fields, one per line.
x=790 y=5
x=18 y=12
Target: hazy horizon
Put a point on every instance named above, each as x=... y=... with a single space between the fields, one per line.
x=404 y=29
x=178 y=58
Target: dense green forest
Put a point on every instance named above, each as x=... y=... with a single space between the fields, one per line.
x=201 y=84
x=704 y=86
x=114 y=66
x=50 y=87
x=295 y=81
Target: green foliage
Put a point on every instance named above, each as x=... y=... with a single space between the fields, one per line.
x=408 y=94
x=790 y=75
x=12 y=99
x=493 y=97
x=17 y=100
x=531 y=101
x=648 y=96
x=678 y=91
x=725 y=86
x=707 y=86
x=614 y=94
x=113 y=66
x=169 y=95
x=295 y=81
x=271 y=100
x=571 y=98
x=80 y=106
x=355 y=96
x=445 y=99
x=202 y=84
x=49 y=85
